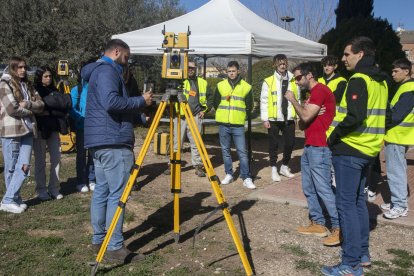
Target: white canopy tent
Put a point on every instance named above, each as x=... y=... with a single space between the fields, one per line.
x=226 y=27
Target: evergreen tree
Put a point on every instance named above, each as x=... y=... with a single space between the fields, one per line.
x=45 y=31
x=353 y=8
x=352 y=25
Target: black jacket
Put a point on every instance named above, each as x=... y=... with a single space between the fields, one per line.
x=55 y=114
x=357 y=101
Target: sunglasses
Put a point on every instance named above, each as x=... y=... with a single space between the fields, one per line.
x=192 y=68
x=298 y=77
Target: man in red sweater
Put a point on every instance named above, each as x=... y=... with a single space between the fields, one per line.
x=316 y=159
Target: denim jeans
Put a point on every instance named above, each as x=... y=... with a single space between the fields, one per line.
x=85 y=170
x=39 y=149
x=226 y=133
x=316 y=184
x=112 y=170
x=350 y=176
x=185 y=130
x=397 y=174
x=16 y=153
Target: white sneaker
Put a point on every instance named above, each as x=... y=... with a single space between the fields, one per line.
x=371 y=196
x=92 y=186
x=284 y=170
x=385 y=206
x=82 y=188
x=396 y=212
x=56 y=195
x=275 y=175
x=23 y=205
x=227 y=179
x=12 y=208
x=248 y=183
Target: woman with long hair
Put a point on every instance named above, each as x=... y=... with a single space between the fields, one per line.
x=50 y=122
x=19 y=103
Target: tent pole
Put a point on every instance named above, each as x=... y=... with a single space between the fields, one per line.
x=249 y=114
x=205 y=66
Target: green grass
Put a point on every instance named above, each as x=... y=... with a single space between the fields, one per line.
x=304 y=264
x=294 y=249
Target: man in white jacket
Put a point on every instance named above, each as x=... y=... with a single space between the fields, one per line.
x=278 y=114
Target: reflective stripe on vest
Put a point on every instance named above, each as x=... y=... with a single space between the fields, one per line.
x=403 y=133
x=202 y=92
x=272 y=104
x=232 y=107
x=369 y=136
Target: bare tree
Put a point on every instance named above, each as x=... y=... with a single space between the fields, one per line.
x=221 y=64
x=312 y=17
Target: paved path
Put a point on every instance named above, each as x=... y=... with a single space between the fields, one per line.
x=290 y=190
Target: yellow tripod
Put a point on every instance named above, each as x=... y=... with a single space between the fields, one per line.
x=171 y=97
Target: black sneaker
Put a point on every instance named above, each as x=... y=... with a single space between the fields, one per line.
x=199 y=171
x=124 y=256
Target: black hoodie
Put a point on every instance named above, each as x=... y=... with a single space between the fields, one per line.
x=357 y=101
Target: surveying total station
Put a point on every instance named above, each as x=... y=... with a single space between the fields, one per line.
x=67 y=141
x=174 y=68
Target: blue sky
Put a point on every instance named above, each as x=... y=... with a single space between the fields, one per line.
x=396 y=11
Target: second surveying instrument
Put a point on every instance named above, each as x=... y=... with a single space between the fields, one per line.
x=67 y=141
x=174 y=68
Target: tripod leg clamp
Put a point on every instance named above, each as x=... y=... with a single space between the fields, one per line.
x=121 y=204
x=223 y=205
x=214 y=178
x=176 y=191
x=134 y=167
x=175 y=161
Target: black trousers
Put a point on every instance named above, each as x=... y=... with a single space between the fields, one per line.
x=287 y=128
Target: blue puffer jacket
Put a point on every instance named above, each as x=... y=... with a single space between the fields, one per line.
x=110 y=112
x=77 y=113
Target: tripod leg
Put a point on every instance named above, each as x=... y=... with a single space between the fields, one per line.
x=215 y=185
x=175 y=160
x=133 y=175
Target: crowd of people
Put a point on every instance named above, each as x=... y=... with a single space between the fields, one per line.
x=346 y=123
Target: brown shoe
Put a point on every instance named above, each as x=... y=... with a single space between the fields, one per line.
x=314 y=229
x=199 y=171
x=334 y=238
x=124 y=256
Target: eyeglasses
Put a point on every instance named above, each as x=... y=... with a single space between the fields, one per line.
x=192 y=68
x=298 y=77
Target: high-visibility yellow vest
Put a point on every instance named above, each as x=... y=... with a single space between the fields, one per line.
x=232 y=107
x=202 y=92
x=369 y=136
x=403 y=133
x=332 y=84
x=272 y=98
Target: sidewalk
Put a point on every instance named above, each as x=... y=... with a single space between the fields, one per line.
x=290 y=190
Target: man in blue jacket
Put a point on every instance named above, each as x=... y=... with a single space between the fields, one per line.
x=109 y=136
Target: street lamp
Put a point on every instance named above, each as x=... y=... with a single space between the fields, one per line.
x=287 y=19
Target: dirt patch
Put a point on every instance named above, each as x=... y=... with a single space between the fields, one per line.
x=267 y=229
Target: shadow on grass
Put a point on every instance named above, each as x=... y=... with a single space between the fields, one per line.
x=160 y=223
